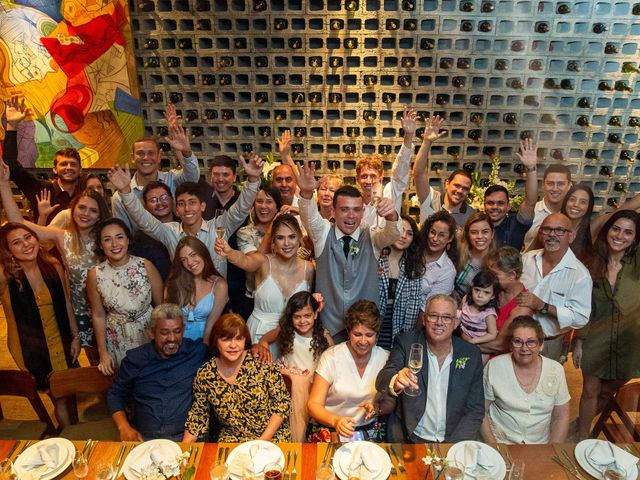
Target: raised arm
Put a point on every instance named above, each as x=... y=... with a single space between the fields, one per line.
x=529 y=159
x=45 y=209
x=598 y=222
x=249 y=263
x=401 y=165
x=233 y=218
x=45 y=234
x=421 y=166
x=316 y=226
x=284 y=147
x=179 y=141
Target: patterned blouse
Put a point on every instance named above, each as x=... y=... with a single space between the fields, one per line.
x=243 y=409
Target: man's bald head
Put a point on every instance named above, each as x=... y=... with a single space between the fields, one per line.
x=556 y=233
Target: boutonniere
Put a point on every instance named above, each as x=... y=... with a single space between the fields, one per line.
x=461 y=362
x=354 y=249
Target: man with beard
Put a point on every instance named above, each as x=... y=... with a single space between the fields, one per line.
x=558 y=284
x=158 y=376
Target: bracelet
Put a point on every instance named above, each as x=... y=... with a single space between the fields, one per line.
x=530 y=169
x=75 y=335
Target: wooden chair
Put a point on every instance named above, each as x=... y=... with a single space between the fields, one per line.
x=18 y=383
x=89 y=380
x=614 y=421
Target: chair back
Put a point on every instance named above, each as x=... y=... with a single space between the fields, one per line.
x=18 y=383
x=64 y=383
x=614 y=421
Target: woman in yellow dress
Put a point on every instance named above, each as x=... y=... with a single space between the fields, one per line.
x=42 y=333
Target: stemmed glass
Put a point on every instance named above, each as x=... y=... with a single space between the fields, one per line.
x=105 y=472
x=376 y=196
x=80 y=465
x=415 y=365
x=6 y=470
x=220 y=228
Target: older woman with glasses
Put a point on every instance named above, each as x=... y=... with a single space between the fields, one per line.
x=526 y=395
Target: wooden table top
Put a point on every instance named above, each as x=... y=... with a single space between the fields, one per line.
x=537 y=458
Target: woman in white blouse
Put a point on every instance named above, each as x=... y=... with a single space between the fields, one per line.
x=342 y=396
x=526 y=395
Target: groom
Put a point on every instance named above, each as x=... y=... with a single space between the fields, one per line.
x=450 y=406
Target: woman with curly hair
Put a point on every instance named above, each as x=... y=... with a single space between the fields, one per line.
x=76 y=244
x=301 y=339
x=195 y=285
x=400 y=284
x=606 y=349
x=476 y=241
x=437 y=253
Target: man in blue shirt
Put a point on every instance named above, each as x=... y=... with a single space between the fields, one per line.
x=158 y=376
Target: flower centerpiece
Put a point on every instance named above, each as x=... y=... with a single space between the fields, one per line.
x=479 y=186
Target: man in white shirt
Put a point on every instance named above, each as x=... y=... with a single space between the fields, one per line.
x=558 y=284
x=190 y=204
x=556 y=182
x=449 y=406
x=347 y=252
x=457 y=186
x=369 y=171
x=146 y=156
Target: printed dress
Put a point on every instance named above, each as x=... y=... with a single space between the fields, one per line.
x=126 y=297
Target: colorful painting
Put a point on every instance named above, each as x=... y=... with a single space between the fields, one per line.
x=72 y=60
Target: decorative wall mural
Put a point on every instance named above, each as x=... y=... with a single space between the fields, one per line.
x=73 y=62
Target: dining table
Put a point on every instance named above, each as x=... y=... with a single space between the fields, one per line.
x=538 y=459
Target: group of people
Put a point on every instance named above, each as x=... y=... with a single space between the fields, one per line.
x=290 y=308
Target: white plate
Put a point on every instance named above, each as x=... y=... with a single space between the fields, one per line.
x=585 y=446
x=456 y=453
x=140 y=456
x=245 y=448
x=370 y=449
x=66 y=452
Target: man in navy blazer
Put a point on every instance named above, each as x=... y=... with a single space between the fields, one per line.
x=450 y=405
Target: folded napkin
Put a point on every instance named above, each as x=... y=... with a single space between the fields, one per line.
x=475 y=458
x=44 y=459
x=259 y=455
x=359 y=454
x=603 y=454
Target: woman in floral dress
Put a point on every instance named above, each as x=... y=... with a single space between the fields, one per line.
x=121 y=290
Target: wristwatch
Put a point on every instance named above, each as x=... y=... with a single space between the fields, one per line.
x=545 y=309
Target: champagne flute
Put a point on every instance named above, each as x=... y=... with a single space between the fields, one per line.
x=376 y=196
x=80 y=465
x=415 y=365
x=220 y=227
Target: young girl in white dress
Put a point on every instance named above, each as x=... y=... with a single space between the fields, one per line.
x=301 y=339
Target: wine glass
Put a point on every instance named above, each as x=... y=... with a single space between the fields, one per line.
x=219 y=472
x=80 y=465
x=325 y=472
x=453 y=471
x=6 y=470
x=415 y=365
x=105 y=471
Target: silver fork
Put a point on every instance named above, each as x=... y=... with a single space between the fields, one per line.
x=393 y=469
x=398 y=460
x=286 y=466
x=437 y=447
x=571 y=462
x=294 y=474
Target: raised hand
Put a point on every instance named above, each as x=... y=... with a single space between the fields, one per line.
x=527 y=154
x=221 y=248
x=253 y=166
x=305 y=176
x=120 y=178
x=171 y=115
x=44 y=203
x=284 y=146
x=16 y=111
x=178 y=139
x=409 y=120
x=386 y=209
x=432 y=130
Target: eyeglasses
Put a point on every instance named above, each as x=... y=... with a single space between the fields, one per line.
x=161 y=198
x=558 y=231
x=434 y=317
x=530 y=344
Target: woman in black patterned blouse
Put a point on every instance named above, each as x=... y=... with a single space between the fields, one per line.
x=246 y=398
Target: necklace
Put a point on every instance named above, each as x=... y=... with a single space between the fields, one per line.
x=533 y=381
